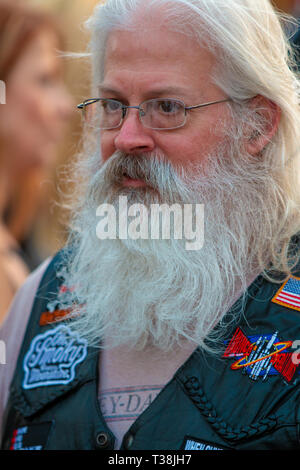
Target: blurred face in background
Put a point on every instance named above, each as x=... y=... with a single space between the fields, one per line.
x=38 y=106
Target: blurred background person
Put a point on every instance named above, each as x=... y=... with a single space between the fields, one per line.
x=32 y=123
x=49 y=233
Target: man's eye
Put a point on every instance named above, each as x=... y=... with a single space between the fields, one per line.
x=111 y=106
x=169 y=107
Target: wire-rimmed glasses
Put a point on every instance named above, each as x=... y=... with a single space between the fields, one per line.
x=158 y=113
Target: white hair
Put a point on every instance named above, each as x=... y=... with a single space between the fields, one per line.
x=140 y=292
x=254 y=58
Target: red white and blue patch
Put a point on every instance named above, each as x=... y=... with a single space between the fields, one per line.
x=32 y=437
x=261 y=356
x=53 y=357
x=289 y=294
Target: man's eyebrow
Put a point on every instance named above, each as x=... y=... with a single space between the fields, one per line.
x=151 y=93
x=170 y=90
x=106 y=89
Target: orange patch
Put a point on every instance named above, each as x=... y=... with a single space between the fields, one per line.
x=50 y=317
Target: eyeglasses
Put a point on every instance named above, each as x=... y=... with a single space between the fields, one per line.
x=158 y=114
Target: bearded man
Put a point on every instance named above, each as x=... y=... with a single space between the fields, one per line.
x=138 y=342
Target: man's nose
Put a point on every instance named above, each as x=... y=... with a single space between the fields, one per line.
x=133 y=136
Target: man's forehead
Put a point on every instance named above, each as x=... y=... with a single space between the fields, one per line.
x=140 y=46
x=163 y=58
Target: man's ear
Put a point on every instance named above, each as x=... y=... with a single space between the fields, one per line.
x=270 y=112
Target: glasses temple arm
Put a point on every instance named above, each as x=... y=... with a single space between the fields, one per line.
x=207 y=104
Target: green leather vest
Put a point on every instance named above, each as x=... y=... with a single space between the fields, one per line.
x=246 y=398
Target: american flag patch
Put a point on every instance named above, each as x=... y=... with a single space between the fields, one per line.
x=289 y=294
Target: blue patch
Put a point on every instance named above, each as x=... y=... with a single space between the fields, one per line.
x=193 y=443
x=52 y=358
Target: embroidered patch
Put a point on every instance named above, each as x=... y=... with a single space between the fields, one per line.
x=52 y=358
x=261 y=356
x=63 y=301
x=32 y=437
x=289 y=294
x=192 y=443
x=51 y=317
x=59 y=307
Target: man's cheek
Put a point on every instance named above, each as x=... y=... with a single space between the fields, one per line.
x=107 y=146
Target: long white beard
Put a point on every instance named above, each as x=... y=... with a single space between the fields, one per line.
x=155 y=292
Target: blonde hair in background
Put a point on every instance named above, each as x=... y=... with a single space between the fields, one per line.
x=49 y=232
